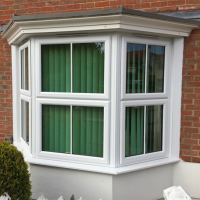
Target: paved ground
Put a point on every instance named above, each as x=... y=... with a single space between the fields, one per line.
x=192 y=199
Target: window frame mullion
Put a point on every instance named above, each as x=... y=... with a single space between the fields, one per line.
x=71 y=130
x=145 y=107
x=71 y=57
x=146 y=60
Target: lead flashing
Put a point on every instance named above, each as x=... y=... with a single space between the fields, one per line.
x=185 y=15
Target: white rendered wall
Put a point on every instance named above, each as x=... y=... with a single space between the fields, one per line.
x=54 y=182
x=187 y=175
x=145 y=184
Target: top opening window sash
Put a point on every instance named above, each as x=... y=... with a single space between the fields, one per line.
x=22 y=71
x=73 y=40
x=145 y=41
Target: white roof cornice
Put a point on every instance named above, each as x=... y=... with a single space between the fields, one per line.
x=21 y=27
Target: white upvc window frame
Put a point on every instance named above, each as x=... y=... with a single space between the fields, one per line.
x=22 y=47
x=165 y=132
x=26 y=96
x=111 y=162
x=73 y=157
x=145 y=99
x=24 y=143
x=72 y=40
x=72 y=99
x=146 y=41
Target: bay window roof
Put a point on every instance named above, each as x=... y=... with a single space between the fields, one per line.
x=120 y=18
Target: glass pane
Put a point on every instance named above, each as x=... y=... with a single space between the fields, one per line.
x=135 y=68
x=134 y=131
x=24 y=69
x=56 y=128
x=25 y=120
x=88 y=131
x=56 y=68
x=88 y=67
x=155 y=69
x=154 y=128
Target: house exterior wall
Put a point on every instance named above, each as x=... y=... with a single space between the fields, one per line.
x=54 y=182
x=190 y=131
x=144 y=184
x=131 y=184
x=186 y=174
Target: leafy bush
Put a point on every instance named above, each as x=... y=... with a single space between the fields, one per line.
x=14 y=175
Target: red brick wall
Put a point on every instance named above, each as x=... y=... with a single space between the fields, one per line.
x=190 y=131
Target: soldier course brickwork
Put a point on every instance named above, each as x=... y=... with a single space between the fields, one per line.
x=190 y=120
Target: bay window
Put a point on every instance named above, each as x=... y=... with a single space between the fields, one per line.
x=99 y=93
x=73 y=104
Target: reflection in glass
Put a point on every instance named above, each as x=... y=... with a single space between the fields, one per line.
x=155 y=69
x=88 y=131
x=24 y=69
x=56 y=128
x=135 y=68
x=134 y=131
x=88 y=67
x=25 y=120
x=56 y=68
x=154 y=128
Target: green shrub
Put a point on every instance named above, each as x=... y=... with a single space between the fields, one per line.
x=14 y=175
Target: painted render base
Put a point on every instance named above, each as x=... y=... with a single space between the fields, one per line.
x=145 y=184
x=188 y=176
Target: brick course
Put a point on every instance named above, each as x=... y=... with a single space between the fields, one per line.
x=190 y=131
x=190 y=120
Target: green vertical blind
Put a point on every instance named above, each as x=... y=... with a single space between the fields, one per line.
x=155 y=69
x=139 y=77
x=25 y=120
x=88 y=131
x=24 y=69
x=56 y=68
x=88 y=68
x=134 y=129
x=56 y=128
x=154 y=127
x=134 y=132
x=135 y=68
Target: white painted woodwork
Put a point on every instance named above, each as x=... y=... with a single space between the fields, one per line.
x=20 y=30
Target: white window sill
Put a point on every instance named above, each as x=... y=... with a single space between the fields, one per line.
x=93 y=168
x=99 y=169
